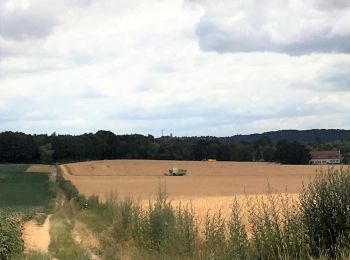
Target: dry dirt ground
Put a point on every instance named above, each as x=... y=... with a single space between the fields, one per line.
x=36 y=237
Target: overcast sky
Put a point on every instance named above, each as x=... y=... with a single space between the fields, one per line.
x=195 y=67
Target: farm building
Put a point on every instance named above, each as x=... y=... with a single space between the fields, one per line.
x=325 y=157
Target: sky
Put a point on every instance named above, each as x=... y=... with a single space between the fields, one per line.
x=187 y=67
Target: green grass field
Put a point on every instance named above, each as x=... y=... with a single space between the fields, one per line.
x=19 y=188
x=13 y=168
x=22 y=194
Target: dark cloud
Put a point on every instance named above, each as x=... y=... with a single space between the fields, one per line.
x=289 y=26
x=336 y=78
x=332 y=4
x=213 y=36
x=82 y=3
x=32 y=22
x=35 y=21
x=6 y=51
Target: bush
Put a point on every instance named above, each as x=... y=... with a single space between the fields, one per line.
x=325 y=206
x=161 y=229
x=186 y=235
x=127 y=221
x=214 y=235
x=160 y=223
x=10 y=234
x=277 y=229
x=238 y=243
x=53 y=189
x=69 y=189
x=10 y=242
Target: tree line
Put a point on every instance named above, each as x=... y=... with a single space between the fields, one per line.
x=17 y=147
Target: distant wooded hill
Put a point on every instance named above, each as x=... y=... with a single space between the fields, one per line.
x=286 y=146
x=304 y=136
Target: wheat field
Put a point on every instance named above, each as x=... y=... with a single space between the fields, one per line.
x=208 y=186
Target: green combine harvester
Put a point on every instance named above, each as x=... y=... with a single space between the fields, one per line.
x=177 y=172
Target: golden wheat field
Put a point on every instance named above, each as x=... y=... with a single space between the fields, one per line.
x=44 y=168
x=207 y=186
x=141 y=178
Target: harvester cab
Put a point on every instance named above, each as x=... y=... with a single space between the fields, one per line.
x=177 y=172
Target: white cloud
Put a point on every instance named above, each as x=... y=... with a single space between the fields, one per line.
x=132 y=66
x=295 y=27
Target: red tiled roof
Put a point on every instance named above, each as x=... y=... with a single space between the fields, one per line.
x=325 y=154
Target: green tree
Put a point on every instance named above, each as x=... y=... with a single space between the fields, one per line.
x=291 y=152
x=46 y=153
x=263 y=148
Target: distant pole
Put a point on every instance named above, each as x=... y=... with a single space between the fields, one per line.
x=162 y=132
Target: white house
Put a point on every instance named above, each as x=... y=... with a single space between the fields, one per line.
x=325 y=157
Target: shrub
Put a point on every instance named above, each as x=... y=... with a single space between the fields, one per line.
x=10 y=242
x=69 y=189
x=10 y=235
x=186 y=235
x=238 y=243
x=52 y=189
x=325 y=206
x=277 y=229
x=160 y=223
x=214 y=235
x=127 y=221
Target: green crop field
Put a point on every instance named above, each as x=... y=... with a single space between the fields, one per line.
x=19 y=188
x=22 y=194
x=13 y=168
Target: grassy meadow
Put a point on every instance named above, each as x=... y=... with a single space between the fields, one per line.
x=22 y=195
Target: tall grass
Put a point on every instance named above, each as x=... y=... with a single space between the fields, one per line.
x=214 y=236
x=325 y=209
x=238 y=242
x=160 y=229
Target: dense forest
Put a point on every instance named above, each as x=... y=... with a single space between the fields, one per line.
x=288 y=146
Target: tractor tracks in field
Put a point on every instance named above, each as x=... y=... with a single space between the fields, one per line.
x=80 y=234
x=78 y=238
x=81 y=239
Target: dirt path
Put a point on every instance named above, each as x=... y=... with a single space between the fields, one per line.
x=85 y=244
x=36 y=237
